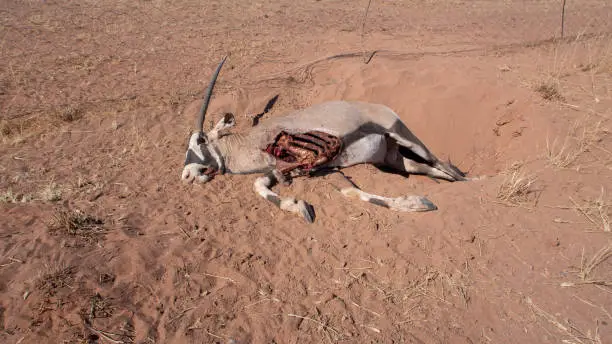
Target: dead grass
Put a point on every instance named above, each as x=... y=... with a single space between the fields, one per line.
x=323 y=324
x=583 y=55
x=587 y=268
x=99 y=307
x=575 y=335
x=596 y=211
x=58 y=277
x=69 y=113
x=5 y=128
x=13 y=132
x=51 y=193
x=9 y=196
x=517 y=188
x=76 y=223
x=427 y=284
x=584 y=136
x=549 y=90
x=459 y=283
x=563 y=156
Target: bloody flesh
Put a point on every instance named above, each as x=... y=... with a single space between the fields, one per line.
x=304 y=151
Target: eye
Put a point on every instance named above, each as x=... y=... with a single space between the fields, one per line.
x=200 y=140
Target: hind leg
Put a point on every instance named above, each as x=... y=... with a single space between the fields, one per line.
x=413 y=167
x=405 y=159
x=403 y=203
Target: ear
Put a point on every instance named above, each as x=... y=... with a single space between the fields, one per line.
x=226 y=122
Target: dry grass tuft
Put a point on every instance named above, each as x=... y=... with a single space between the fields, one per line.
x=459 y=282
x=5 y=128
x=59 y=277
x=99 y=307
x=76 y=223
x=570 y=330
x=51 y=193
x=9 y=197
x=517 y=187
x=596 y=211
x=69 y=113
x=586 y=269
x=561 y=157
x=549 y=90
x=583 y=136
x=12 y=132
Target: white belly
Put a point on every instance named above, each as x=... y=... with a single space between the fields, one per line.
x=371 y=148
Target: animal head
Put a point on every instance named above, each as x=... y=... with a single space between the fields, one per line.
x=202 y=159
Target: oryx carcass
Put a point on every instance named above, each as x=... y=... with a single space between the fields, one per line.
x=323 y=137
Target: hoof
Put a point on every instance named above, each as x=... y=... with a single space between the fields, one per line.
x=307 y=211
x=413 y=203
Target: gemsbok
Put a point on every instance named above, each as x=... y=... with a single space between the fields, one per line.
x=322 y=138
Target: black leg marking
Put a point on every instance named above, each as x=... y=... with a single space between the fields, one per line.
x=274 y=199
x=309 y=213
x=379 y=202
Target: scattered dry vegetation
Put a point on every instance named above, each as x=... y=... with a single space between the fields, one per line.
x=584 y=136
x=99 y=307
x=517 y=188
x=549 y=90
x=596 y=211
x=9 y=196
x=69 y=113
x=587 y=269
x=51 y=193
x=76 y=223
x=576 y=335
x=59 y=277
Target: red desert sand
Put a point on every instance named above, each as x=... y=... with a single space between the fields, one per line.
x=101 y=242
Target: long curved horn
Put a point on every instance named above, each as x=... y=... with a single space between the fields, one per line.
x=200 y=122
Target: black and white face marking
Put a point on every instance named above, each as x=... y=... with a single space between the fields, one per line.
x=200 y=165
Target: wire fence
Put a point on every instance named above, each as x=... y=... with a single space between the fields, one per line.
x=98 y=52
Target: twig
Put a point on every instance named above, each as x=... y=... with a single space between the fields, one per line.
x=105 y=335
x=582 y=211
x=221 y=277
x=365 y=309
x=178 y=316
x=260 y=301
x=594 y=306
x=371 y=328
x=315 y=321
x=601 y=256
x=572 y=284
x=551 y=319
x=184 y=232
x=213 y=335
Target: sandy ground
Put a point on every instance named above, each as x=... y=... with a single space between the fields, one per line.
x=102 y=243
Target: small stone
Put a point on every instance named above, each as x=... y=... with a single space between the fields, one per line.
x=470 y=238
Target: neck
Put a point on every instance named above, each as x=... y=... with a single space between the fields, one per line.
x=218 y=156
x=241 y=156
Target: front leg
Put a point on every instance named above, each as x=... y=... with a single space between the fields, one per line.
x=262 y=186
